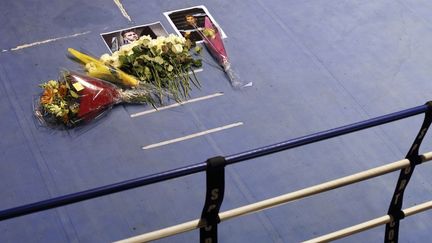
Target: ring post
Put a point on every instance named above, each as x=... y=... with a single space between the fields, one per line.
x=395 y=208
x=215 y=180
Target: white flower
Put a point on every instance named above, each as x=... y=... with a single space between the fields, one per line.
x=144 y=40
x=106 y=58
x=180 y=40
x=159 y=60
x=90 y=67
x=171 y=38
x=147 y=57
x=177 y=48
x=135 y=43
x=125 y=48
x=145 y=37
x=158 y=43
x=175 y=39
x=116 y=63
x=115 y=56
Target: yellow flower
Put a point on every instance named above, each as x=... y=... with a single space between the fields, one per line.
x=53 y=84
x=55 y=109
x=208 y=32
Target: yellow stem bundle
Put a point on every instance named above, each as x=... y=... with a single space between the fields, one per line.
x=96 y=68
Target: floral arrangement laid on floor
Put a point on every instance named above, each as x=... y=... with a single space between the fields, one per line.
x=143 y=72
x=165 y=62
x=213 y=42
x=75 y=99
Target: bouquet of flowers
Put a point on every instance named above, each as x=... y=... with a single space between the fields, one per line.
x=76 y=99
x=213 y=42
x=165 y=62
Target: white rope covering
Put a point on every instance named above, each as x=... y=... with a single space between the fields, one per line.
x=277 y=201
x=369 y=224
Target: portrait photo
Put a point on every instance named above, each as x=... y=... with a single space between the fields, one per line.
x=115 y=39
x=177 y=19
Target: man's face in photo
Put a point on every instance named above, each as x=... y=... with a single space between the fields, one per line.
x=130 y=36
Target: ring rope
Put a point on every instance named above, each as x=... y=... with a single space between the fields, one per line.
x=279 y=200
x=369 y=224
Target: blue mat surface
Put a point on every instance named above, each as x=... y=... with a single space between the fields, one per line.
x=315 y=65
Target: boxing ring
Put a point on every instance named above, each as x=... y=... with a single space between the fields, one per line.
x=140 y=174
x=214 y=168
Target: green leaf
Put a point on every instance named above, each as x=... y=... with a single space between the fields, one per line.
x=198 y=49
x=123 y=60
x=197 y=63
x=73 y=94
x=137 y=49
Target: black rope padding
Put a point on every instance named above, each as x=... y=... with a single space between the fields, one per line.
x=395 y=208
x=215 y=179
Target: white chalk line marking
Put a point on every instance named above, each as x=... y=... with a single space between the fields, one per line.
x=122 y=10
x=47 y=41
x=177 y=104
x=217 y=129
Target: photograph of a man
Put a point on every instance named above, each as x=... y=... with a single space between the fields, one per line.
x=177 y=19
x=115 y=39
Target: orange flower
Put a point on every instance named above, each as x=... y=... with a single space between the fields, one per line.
x=62 y=90
x=47 y=96
x=65 y=118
